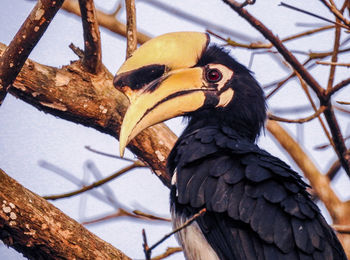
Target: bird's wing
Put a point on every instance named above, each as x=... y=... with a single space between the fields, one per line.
x=257 y=207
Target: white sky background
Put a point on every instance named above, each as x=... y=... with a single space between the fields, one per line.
x=28 y=135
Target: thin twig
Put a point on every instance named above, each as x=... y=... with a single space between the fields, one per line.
x=124 y=212
x=109 y=155
x=203 y=22
x=334 y=58
x=187 y=223
x=257 y=24
x=169 y=251
x=92 y=40
x=339 y=86
x=91 y=166
x=343 y=102
x=136 y=164
x=331 y=63
x=344 y=229
x=71 y=177
x=299 y=121
x=312 y=14
x=145 y=245
x=77 y=51
x=108 y=21
x=337 y=13
x=131 y=32
x=323 y=125
x=32 y=29
x=247 y=2
x=260 y=45
x=150 y=216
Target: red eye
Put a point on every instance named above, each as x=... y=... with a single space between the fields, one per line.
x=213 y=75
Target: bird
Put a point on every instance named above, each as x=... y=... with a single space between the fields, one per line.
x=257 y=207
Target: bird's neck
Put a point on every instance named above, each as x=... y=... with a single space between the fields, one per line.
x=241 y=128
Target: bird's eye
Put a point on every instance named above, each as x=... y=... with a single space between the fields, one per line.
x=213 y=75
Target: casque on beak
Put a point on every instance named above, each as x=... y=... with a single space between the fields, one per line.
x=161 y=81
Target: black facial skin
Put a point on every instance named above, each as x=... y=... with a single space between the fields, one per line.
x=137 y=79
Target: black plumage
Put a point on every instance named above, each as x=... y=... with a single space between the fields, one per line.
x=257 y=206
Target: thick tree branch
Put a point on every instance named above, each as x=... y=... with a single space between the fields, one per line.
x=24 y=41
x=90 y=100
x=106 y=20
x=92 y=40
x=36 y=228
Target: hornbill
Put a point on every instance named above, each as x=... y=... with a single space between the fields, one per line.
x=257 y=207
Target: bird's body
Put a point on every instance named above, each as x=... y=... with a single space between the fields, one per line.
x=256 y=206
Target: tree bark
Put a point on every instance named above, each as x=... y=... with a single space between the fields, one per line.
x=36 y=228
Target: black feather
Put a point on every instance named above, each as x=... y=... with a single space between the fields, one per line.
x=256 y=173
x=257 y=206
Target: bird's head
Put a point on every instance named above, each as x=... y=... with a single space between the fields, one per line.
x=181 y=74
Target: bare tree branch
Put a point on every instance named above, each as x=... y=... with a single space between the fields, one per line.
x=299 y=121
x=106 y=20
x=92 y=40
x=169 y=251
x=22 y=44
x=131 y=34
x=39 y=230
x=96 y=184
x=336 y=12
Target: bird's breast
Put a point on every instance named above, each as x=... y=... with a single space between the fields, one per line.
x=191 y=238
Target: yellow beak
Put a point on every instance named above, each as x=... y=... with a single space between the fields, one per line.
x=178 y=91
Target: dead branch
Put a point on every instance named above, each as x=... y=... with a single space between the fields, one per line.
x=307 y=77
x=312 y=14
x=148 y=250
x=92 y=40
x=169 y=251
x=205 y=23
x=332 y=63
x=299 y=121
x=106 y=20
x=342 y=228
x=339 y=86
x=336 y=12
x=24 y=41
x=39 y=230
x=260 y=45
x=323 y=125
x=96 y=184
x=109 y=155
x=122 y=212
x=289 y=57
x=149 y=216
x=131 y=34
x=334 y=58
x=78 y=182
